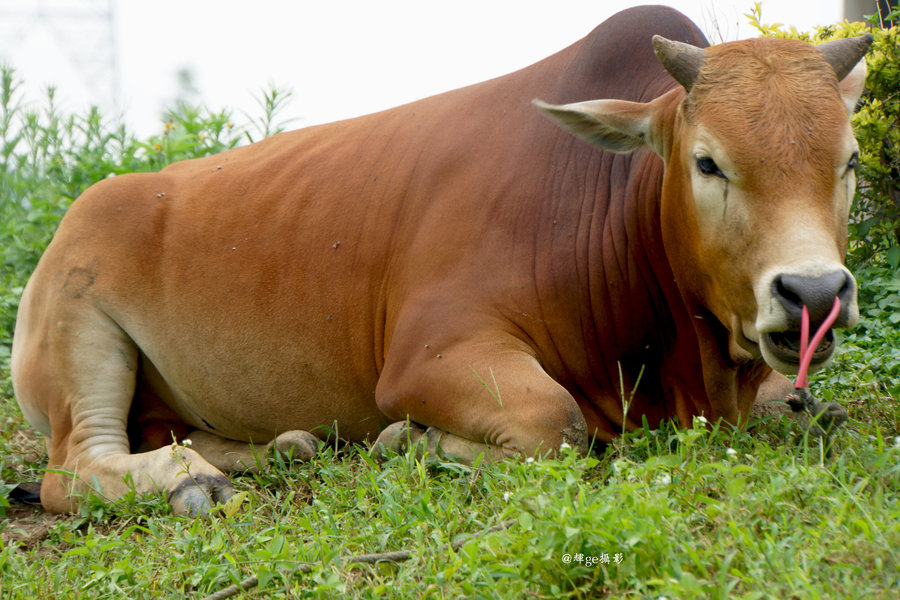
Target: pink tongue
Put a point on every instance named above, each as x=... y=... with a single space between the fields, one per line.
x=808 y=349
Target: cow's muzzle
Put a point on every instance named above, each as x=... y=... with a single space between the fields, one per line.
x=792 y=293
x=785 y=345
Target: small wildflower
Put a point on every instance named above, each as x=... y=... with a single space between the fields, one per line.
x=731 y=452
x=506 y=496
x=186 y=443
x=702 y=419
x=564 y=446
x=529 y=460
x=664 y=479
x=897 y=442
x=157 y=147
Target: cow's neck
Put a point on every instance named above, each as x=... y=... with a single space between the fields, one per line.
x=603 y=270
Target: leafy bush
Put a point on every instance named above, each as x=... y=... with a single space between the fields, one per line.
x=875 y=219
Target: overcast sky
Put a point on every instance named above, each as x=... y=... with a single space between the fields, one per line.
x=340 y=58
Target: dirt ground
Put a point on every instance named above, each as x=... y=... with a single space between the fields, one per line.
x=27 y=524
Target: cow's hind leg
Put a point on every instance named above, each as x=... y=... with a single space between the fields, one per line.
x=233 y=456
x=74 y=374
x=490 y=399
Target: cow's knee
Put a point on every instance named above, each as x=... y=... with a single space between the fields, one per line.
x=544 y=427
x=492 y=392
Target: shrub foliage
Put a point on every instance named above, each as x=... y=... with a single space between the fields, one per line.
x=875 y=220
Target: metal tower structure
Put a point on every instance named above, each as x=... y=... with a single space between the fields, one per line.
x=75 y=37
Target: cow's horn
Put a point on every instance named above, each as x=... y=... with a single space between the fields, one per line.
x=681 y=60
x=843 y=54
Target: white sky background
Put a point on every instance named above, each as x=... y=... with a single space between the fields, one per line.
x=341 y=58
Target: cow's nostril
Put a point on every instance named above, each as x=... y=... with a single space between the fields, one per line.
x=785 y=295
x=816 y=293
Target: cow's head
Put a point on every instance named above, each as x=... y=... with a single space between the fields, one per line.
x=760 y=162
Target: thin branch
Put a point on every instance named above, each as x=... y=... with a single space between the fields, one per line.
x=397 y=556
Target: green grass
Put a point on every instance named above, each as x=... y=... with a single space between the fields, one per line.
x=704 y=512
x=690 y=513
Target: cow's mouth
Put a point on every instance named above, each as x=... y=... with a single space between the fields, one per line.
x=785 y=346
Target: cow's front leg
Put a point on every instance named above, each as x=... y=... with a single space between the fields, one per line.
x=401 y=436
x=487 y=398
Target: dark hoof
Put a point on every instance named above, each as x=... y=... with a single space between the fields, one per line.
x=197 y=494
x=830 y=414
x=27 y=493
x=818 y=419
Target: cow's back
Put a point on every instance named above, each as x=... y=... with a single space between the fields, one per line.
x=266 y=287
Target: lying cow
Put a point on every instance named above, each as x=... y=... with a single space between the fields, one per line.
x=459 y=263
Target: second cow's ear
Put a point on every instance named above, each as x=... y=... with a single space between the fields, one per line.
x=614 y=125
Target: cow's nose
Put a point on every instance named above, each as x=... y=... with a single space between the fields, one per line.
x=816 y=293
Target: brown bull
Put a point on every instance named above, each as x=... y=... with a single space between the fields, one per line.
x=459 y=262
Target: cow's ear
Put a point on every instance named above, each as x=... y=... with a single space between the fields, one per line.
x=852 y=85
x=614 y=125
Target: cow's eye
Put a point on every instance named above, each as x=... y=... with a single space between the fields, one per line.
x=708 y=167
x=853 y=164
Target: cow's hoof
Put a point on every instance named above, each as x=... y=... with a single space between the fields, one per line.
x=830 y=415
x=299 y=446
x=197 y=494
x=396 y=438
x=821 y=419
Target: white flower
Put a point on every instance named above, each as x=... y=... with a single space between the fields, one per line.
x=529 y=460
x=664 y=479
x=731 y=452
x=506 y=496
x=702 y=419
x=897 y=442
x=564 y=446
x=186 y=443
